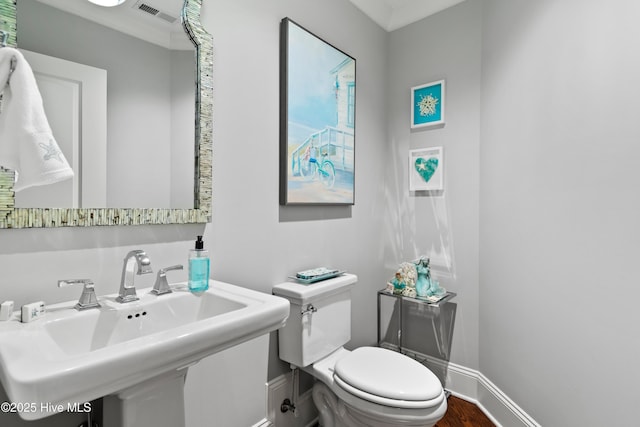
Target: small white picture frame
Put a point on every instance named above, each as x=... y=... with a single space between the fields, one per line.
x=427 y=105
x=426 y=168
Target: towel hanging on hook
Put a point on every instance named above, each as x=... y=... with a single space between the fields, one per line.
x=27 y=144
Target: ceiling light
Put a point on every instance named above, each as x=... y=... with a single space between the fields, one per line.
x=107 y=3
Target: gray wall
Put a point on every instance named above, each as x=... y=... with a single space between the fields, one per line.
x=257 y=243
x=443 y=225
x=559 y=227
x=182 y=129
x=540 y=204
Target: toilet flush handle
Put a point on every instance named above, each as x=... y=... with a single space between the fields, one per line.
x=308 y=309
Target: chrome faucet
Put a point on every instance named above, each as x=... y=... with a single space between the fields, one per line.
x=88 y=298
x=127 y=289
x=161 y=286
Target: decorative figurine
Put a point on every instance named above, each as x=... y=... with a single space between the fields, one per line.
x=423 y=284
x=427 y=286
x=413 y=279
x=398 y=284
x=389 y=289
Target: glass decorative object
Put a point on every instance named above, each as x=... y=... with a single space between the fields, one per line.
x=423 y=282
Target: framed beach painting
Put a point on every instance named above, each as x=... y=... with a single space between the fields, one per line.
x=426 y=169
x=427 y=105
x=317 y=120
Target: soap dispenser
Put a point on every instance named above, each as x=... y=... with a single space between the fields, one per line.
x=199 y=267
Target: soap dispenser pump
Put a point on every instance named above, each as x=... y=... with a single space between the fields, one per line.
x=199 y=267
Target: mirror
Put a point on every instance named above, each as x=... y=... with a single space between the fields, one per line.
x=12 y=215
x=118 y=92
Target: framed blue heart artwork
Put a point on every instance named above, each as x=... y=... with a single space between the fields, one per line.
x=427 y=105
x=426 y=169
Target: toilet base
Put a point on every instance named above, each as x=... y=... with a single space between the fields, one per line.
x=335 y=412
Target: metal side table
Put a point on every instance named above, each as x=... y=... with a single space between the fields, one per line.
x=416 y=326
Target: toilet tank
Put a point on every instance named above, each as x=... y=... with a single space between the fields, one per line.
x=319 y=319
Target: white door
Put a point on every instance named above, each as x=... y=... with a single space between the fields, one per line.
x=75 y=102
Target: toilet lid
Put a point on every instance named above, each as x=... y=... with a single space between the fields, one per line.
x=387 y=374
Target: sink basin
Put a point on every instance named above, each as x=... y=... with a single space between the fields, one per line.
x=95 y=329
x=73 y=357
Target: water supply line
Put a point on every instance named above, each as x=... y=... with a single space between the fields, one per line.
x=290 y=404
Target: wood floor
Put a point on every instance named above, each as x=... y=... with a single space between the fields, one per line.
x=461 y=413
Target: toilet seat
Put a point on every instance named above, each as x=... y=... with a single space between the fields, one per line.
x=388 y=378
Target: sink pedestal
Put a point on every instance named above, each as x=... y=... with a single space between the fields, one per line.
x=158 y=402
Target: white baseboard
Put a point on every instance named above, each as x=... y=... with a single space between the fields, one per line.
x=493 y=401
x=263 y=423
x=462 y=382
x=472 y=386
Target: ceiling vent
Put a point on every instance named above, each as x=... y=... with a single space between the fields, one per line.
x=146 y=7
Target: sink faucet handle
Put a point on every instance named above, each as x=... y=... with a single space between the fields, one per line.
x=88 y=298
x=173 y=267
x=162 y=285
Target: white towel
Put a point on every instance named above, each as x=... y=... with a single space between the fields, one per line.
x=27 y=144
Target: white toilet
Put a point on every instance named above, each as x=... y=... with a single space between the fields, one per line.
x=366 y=387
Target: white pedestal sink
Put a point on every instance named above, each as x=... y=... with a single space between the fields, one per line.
x=136 y=353
x=156 y=402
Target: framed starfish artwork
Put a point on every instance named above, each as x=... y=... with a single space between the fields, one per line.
x=426 y=169
x=427 y=105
